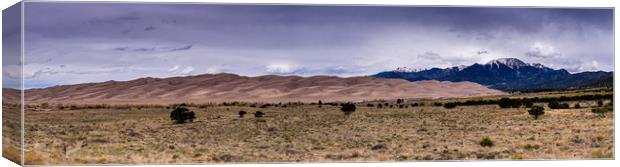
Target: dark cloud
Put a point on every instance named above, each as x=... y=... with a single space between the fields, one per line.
x=11 y=47
x=149 y=28
x=130 y=17
x=188 y=47
x=121 y=48
x=144 y=49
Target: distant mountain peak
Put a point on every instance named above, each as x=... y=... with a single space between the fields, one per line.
x=510 y=62
x=506 y=74
x=404 y=69
x=538 y=65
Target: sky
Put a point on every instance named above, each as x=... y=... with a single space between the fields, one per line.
x=69 y=43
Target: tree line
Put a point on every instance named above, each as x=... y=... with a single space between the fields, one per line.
x=528 y=102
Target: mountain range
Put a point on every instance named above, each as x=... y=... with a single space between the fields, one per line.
x=231 y=87
x=508 y=74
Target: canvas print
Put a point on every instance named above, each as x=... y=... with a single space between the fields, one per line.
x=194 y=83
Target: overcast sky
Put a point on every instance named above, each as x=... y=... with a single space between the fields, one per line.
x=68 y=43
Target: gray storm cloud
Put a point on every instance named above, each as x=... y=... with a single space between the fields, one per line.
x=69 y=43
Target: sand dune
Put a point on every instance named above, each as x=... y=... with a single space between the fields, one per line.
x=270 y=88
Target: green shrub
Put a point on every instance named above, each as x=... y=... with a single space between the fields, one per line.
x=599 y=110
x=602 y=110
x=517 y=156
x=530 y=147
x=536 y=111
x=486 y=142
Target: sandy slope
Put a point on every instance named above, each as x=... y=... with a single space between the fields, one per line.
x=270 y=88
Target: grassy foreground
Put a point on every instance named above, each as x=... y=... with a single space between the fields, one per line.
x=309 y=133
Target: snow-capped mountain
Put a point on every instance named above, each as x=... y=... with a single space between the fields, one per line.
x=404 y=69
x=506 y=74
x=510 y=62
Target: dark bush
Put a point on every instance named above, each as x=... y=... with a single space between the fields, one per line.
x=553 y=105
x=510 y=103
x=415 y=105
x=599 y=111
x=600 y=103
x=45 y=105
x=258 y=114
x=379 y=105
x=370 y=105
x=450 y=105
x=557 y=105
x=486 y=142
x=181 y=115
x=348 y=108
x=577 y=105
x=530 y=147
x=398 y=101
x=379 y=146
x=528 y=104
x=564 y=105
x=602 y=110
x=437 y=104
x=332 y=104
x=536 y=111
x=242 y=113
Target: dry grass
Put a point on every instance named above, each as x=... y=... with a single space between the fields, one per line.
x=307 y=133
x=11 y=136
